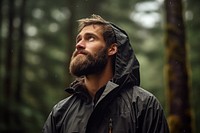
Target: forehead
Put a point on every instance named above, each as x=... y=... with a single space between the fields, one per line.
x=95 y=29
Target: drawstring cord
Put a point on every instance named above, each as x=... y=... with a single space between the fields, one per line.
x=110 y=126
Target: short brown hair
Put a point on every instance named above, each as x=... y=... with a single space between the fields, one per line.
x=108 y=33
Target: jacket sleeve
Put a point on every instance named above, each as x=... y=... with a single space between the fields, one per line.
x=152 y=118
x=49 y=126
x=54 y=120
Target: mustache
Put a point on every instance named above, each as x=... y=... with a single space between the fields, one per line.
x=82 y=51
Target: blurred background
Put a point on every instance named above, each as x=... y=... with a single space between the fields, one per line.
x=38 y=38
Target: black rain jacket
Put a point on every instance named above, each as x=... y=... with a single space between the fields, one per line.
x=121 y=106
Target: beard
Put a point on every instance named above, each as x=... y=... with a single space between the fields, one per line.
x=85 y=63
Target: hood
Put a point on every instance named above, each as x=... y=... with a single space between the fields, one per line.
x=126 y=66
x=126 y=63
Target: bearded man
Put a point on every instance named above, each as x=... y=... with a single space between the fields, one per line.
x=105 y=96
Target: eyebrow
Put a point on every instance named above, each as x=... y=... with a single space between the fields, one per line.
x=87 y=34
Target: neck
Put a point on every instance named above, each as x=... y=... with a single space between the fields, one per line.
x=94 y=82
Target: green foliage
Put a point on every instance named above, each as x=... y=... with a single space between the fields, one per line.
x=193 y=18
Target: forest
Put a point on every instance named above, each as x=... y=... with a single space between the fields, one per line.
x=37 y=38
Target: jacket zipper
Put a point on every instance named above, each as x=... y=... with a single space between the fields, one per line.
x=110 y=126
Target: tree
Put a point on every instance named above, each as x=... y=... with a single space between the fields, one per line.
x=20 y=66
x=176 y=69
x=9 y=66
x=1 y=17
x=21 y=51
x=70 y=34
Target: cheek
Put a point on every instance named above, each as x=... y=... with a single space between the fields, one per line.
x=94 y=50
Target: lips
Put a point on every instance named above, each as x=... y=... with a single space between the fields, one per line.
x=84 y=52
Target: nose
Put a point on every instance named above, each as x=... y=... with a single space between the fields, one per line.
x=80 y=45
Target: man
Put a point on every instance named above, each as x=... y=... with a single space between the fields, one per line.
x=105 y=97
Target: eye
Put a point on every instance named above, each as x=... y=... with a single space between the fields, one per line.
x=78 y=40
x=91 y=38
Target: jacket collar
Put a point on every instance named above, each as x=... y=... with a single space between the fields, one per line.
x=77 y=87
x=109 y=87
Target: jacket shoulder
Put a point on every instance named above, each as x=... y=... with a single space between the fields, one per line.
x=143 y=99
x=148 y=111
x=142 y=94
x=62 y=106
x=55 y=118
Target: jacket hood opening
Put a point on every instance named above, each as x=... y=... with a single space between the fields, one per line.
x=126 y=67
x=126 y=63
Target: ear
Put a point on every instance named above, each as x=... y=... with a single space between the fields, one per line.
x=112 y=49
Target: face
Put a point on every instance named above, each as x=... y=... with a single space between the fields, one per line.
x=90 y=56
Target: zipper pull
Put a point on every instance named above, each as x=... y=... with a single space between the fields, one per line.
x=110 y=126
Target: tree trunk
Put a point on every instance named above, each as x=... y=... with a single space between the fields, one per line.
x=1 y=48
x=1 y=21
x=20 y=59
x=176 y=69
x=71 y=35
x=21 y=51
x=9 y=66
